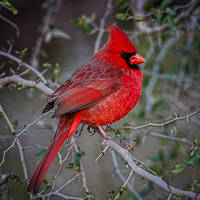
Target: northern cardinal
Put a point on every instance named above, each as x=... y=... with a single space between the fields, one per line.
x=102 y=91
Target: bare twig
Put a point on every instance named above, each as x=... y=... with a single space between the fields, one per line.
x=20 y=148
x=169 y=137
x=56 y=193
x=45 y=27
x=83 y=174
x=155 y=72
x=102 y=25
x=20 y=62
x=170 y=196
x=102 y=153
x=12 y=24
x=20 y=133
x=119 y=173
x=151 y=124
x=25 y=83
x=68 y=182
x=61 y=165
x=124 y=185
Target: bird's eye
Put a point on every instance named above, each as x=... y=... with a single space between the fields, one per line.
x=123 y=54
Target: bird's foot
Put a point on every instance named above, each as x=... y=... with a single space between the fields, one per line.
x=92 y=130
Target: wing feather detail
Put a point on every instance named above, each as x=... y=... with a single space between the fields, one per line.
x=83 y=95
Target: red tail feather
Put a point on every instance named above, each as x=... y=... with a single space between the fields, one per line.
x=67 y=126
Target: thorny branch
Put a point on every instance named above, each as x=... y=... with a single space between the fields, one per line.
x=151 y=124
x=155 y=179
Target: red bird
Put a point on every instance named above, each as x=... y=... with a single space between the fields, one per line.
x=102 y=91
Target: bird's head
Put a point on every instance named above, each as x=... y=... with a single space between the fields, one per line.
x=121 y=50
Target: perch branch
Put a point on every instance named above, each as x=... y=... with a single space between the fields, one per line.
x=153 y=178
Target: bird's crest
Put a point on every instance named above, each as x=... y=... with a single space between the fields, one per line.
x=118 y=41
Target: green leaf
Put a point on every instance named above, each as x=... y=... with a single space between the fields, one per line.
x=46 y=185
x=41 y=153
x=118 y=132
x=170 y=20
x=163 y=141
x=121 y=16
x=85 y=28
x=14 y=10
x=192 y=159
x=77 y=157
x=165 y=3
x=47 y=65
x=137 y=140
x=77 y=21
x=178 y=168
x=138 y=19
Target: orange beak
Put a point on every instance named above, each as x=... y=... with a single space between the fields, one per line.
x=136 y=59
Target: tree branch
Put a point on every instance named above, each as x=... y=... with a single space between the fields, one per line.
x=20 y=62
x=20 y=148
x=11 y=24
x=45 y=27
x=119 y=173
x=155 y=179
x=25 y=83
x=102 y=25
x=163 y=53
x=164 y=123
x=181 y=17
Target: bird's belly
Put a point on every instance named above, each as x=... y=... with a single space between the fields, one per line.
x=112 y=108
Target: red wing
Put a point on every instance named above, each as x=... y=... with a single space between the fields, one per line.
x=80 y=96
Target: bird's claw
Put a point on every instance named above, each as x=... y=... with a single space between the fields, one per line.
x=93 y=131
